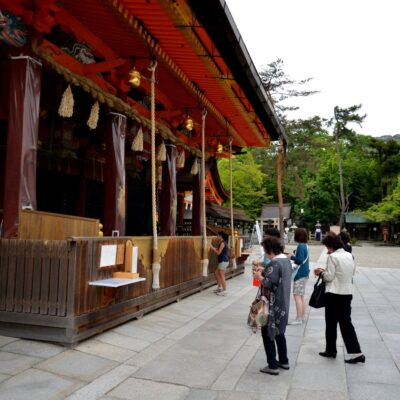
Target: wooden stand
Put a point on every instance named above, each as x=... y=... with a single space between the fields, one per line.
x=126 y=275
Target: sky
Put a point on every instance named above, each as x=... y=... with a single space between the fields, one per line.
x=351 y=49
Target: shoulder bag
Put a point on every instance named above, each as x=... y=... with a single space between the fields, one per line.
x=295 y=267
x=317 y=299
x=259 y=311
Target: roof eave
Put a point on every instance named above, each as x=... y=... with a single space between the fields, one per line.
x=231 y=46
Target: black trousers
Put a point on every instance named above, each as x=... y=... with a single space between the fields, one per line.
x=338 y=310
x=270 y=350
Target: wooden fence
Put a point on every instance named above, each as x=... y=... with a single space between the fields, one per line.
x=45 y=292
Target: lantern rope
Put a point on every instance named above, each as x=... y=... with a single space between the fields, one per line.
x=204 y=260
x=231 y=205
x=156 y=258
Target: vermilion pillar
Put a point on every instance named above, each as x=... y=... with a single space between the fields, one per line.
x=23 y=129
x=114 y=176
x=168 y=198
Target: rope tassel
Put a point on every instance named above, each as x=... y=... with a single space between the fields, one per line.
x=66 y=108
x=155 y=265
x=137 y=142
x=94 y=116
x=195 y=168
x=162 y=152
x=180 y=162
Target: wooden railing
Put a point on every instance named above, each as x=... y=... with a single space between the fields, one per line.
x=45 y=292
x=35 y=276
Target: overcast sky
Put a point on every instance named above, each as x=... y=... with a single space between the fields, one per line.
x=351 y=49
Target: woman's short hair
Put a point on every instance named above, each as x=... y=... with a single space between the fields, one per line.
x=300 y=235
x=345 y=237
x=332 y=241
x=272 y=245
x=273 y=232
x=223 y=235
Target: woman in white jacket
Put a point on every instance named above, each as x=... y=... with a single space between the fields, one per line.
x=338 y=275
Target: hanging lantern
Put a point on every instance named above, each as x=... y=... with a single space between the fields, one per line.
x=66 y=108
x=195 y=168
x=134 y=78
x=220 y=148
x=137 y=142
x=94 y=116
x=188 y=124
x=180 y=162
x=162 y=152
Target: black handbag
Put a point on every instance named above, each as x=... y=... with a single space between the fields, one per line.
x=317 y=299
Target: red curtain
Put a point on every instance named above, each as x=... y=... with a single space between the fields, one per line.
x=23 y=127
x=168 y=204
x=114 y=175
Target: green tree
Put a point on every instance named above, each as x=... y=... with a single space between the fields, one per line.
x=388 y=163
x=309 y=143
x=388 y=209
x=281 y=87
x=249 y=192
x=342 y=117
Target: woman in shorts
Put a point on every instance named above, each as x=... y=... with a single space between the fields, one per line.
x=223 y=262
x=300 y=258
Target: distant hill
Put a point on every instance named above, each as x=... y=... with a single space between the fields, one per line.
x=387 y=138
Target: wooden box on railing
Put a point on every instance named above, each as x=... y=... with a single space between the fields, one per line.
x=42 y=225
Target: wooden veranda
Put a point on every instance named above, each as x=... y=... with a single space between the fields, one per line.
x=110 y=111
x=45 y=290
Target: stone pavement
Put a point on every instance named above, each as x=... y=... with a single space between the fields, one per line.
x=201 y=349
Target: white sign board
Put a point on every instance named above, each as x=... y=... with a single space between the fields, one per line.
x=108 y=255
x=134 y=258
x=116 y=282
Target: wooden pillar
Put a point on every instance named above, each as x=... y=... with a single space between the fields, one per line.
x=81 y=199
x=181 y=208
x=168 y=198
x=114 y=175
x=197 y=221
x=23 y=130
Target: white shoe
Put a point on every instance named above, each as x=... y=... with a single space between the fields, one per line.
x=296 y=322
x=222 y=293
x=217 y=290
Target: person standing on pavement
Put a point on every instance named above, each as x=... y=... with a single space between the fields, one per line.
x=223 y=262
x=346 y=241
x=338 y=275
x=274 y=232
x=275 y=281
x=301 y=258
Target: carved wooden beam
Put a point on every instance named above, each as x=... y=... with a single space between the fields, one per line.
x=69 y=22
x=104 y=66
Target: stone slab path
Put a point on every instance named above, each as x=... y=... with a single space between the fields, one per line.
x=201 y=349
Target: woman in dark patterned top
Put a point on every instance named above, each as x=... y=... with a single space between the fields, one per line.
x=275 y=282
